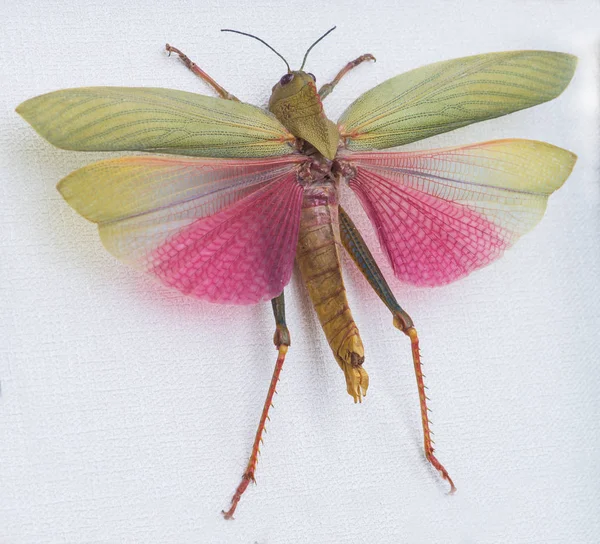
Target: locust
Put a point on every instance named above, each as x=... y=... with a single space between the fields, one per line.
x=233 y=195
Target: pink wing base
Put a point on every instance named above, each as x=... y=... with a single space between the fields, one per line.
x=429 y=241
x=240 y=255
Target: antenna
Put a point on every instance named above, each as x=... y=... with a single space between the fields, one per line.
x=308 y=51
x=264 y=42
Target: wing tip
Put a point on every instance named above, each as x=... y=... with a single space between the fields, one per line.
x=569 y=161
x=564 y=69
x=28 y=108
x=24 y=109
x=568 y=70
x=30 y=111
x=71 y=197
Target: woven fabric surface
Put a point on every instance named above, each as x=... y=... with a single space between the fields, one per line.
x=127 y=411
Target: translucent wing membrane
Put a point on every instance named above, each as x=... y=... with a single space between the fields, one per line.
x=443 y=213
x=451 y=94
x=221 y=230
x=157 y=120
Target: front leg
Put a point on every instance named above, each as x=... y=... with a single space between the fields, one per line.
x=328 y=87
x=360 y=253
x=282 y=342
x=201 y=73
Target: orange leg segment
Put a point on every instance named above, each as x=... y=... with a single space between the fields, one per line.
x=282 y=341
x=427 y=442
x=251 y=467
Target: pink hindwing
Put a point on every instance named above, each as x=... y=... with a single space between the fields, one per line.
x=224 y=230
x=441 y=214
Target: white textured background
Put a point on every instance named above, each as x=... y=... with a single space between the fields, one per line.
x=127 y=411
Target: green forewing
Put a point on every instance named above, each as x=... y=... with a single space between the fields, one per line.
x=157 y=120
x=451 y=94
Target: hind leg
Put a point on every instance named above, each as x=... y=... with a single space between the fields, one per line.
x=360 y=253
x=282 y=341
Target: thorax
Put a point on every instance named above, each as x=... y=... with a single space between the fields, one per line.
x=321 y=185
x=321 y=178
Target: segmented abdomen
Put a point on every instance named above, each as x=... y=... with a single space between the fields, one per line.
x=318 y=257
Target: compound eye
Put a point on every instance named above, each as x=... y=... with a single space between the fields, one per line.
x=313 y=76
x=286 y=79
